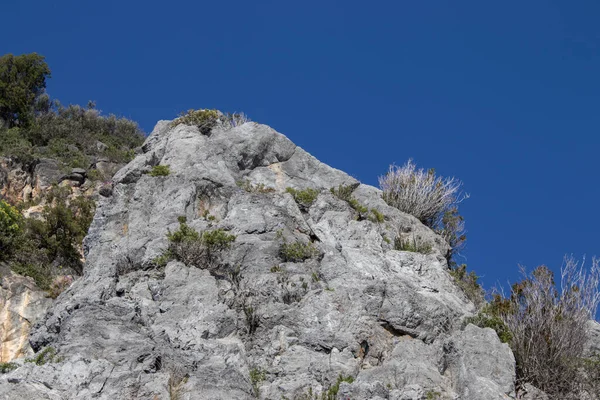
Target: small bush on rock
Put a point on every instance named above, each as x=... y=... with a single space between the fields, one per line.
x=420 y=193
x=217 y=240
x=258 y=188
x=7 y=367
x=48 y=355
x=432 y=199
x=193 y=248
x=413 y=246
x=345 y=193
x=160 y=170
x=297 y=251
x=205 y=120
x=303 y=197
x=376 y=216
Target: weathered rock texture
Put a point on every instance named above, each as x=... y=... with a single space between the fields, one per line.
x=253 y=325
x=21 y=304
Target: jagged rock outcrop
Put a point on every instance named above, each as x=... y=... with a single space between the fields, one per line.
x=254 y=325
x=28 y=182
x=24 y=182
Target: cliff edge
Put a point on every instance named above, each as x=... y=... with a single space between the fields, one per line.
x=351 y=318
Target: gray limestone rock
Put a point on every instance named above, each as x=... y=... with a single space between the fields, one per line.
x=254 y=324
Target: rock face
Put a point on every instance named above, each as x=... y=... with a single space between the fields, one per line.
x=388 y=322
x=20 y=182
x=21 y=304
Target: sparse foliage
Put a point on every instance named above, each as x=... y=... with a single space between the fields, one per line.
x=257 y=376
x=332 y=392
x=236 y=119
x=344 y=192
x=206 y=119
x=548 y=326
x=420 y=193
x=489 y=317
x=467 y=281
x=7 y=367
x=414 y=245
x=303 y=197
x=47 y=355
x=251 y=188
x=432 y=199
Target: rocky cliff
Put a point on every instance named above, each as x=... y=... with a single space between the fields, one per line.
x=357 y=319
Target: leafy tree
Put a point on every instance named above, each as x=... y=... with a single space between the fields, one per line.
x=22 y=83
x=10 y=228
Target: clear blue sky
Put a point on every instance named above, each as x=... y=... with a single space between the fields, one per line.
x=503 y=95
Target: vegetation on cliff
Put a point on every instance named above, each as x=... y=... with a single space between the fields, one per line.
x=34 y=126
x=46 y=246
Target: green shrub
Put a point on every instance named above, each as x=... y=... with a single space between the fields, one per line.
x=54 y=239
x=63 y=226
x=41 y=273
x=160 y=170
x=193 y=248
x=162 y=260
x=217 y=240
x=11 y=222
x=184 y=233
x=13 y=144
x=413 y=246
x=359 y=208
x=303 y=197
x=297 y=251
x=48 y=355
x=468 y=284
x=343 y=192
x=41 y=127
x=7 y=367
x=376 y=216
x=205 y=120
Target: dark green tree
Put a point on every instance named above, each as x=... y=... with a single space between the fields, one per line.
x=22 y=84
